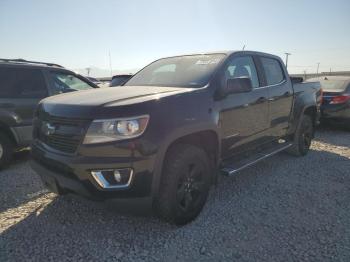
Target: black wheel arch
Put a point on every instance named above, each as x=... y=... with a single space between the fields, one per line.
x=309 y=109
x=207 y=139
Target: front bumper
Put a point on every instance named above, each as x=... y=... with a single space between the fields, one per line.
x=73 y=173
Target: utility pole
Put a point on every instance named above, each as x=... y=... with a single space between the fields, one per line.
x=88 y=69
x=110 y=62
x=318 y=66
x=243 y=48
x=304 y=74
x=287 y=54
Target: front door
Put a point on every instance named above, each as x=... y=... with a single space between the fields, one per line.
x=244 y=118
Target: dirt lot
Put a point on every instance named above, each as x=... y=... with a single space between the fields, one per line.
x=283 y=209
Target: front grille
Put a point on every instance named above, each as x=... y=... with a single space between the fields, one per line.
x=63 y=134
x=61 y=142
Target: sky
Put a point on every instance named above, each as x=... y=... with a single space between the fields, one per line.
x=82 y=33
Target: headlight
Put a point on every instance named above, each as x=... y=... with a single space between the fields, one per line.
x=107 y=130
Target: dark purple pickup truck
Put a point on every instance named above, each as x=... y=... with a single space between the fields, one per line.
x=163 y=135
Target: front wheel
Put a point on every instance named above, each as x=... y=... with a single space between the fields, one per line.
x=185 y=184
x=303 y=137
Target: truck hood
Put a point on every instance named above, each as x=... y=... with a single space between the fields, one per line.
x=114 y=95
x=86 y=102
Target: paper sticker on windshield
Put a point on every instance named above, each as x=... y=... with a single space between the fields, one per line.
x=208 y=62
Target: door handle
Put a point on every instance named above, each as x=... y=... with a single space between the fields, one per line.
x=286 y=94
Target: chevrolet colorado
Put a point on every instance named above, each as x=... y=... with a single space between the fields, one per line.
x=164 y=134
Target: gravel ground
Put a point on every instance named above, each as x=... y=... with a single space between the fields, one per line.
x=282 y=209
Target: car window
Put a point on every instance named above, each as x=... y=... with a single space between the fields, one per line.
x=334 y=84
x=242 y=67
x=273 y=71
x=22 y=83
x=64 y=83
x=182 y=71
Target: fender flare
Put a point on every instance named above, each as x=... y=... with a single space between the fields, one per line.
x=298 y=117
x=169 y=140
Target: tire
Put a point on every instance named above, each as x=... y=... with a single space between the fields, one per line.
x=303 y=137
x=184 y=186
x=6 y=150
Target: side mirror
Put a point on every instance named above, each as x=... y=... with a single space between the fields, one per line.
x=238 y=85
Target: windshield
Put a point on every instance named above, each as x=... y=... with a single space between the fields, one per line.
x=64 y=83
x=182 y=71
x=334 y=84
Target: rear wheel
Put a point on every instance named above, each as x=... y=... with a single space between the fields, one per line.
x=6 y=150
x=185 y=184
x=303 y=137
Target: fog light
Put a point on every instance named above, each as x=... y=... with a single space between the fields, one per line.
x=113 y=178
x=117 y=176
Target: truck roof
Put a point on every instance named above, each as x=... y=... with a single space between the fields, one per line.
x=227 y=53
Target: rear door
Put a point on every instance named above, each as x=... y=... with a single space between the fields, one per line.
x=280 y=92
x=21 y=89
x=244 y=117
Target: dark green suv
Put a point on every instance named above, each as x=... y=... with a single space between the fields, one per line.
x=22 y=85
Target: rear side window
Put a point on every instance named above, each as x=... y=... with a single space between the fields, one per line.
x=273 y=71
x=22 y=83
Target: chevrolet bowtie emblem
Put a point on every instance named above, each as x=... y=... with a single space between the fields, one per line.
x=49 y=129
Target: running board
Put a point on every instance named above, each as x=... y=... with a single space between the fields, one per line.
x=233 y=168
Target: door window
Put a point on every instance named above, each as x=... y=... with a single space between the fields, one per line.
x=22 y=83
x=64 y=83
x=242 y=67
x=273 y=71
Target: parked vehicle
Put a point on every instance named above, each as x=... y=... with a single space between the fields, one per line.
x=94 y=80
x=119 y=80
x=336 y=99
x=163 y=135
x=100 y=84
x=22 y=85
